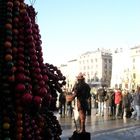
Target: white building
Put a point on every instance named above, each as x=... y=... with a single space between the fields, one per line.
x=120 y=68
x=96 y=65
x=70 y=71
x=135 y=66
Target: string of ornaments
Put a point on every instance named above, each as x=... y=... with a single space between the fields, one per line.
x=28 y=85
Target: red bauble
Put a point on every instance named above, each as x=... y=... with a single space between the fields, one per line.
x=36 y=64
x=27 y=98
x=45 y=77
x=20 y=63
x=32 y=51
x=48 y=97
x=29 y=37
x=38 y=76
x=37 y=70
x=20 y=69
x=21 y=50
x=20 y=77
x=42 y=91
x=11 y=78
x=37 y=101
x=16 y=20
x=20 y=87
x=41 y=83
x=34 y=57
x=21 y=56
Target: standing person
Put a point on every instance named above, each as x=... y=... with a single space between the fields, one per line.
x=95 y=103
x=82 y=92
x=126 y=104
x=101 y=97
x=62 y=103
x=111 y=98
x=136 y=102
x=132 y=103
x=118 y=102
x=69 y=106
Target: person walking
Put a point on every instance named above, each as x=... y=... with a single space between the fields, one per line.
x=82 y=92
x=136 y=103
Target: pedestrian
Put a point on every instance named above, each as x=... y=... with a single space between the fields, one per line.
x=111 y=98
x=82 y=92
x=118 y=103
x=126 y=103
x=62 y=103
x=132 y=102
x=136 y=102
x=101 y=98
x=95 y=103
x=69 y=107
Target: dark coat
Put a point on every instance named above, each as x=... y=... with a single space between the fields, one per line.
x=62 y=98
x=82 y=91
x=111 y=98
x=101 y=95
x=126 y=101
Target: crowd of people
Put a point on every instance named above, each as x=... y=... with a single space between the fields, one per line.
x=118 y=103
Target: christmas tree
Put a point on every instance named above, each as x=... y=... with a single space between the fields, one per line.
x=28 y=86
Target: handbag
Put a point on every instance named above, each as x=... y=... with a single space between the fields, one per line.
x=70 y=97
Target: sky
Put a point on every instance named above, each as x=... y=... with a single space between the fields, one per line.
x=69 y=28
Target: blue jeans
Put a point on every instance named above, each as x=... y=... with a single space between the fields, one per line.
x=101 y=108
x=118 y=110
x=136 y=112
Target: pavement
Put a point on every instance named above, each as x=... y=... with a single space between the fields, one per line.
x=102 y=127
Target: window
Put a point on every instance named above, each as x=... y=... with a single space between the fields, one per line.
x=105 y=60
x=105 y=66
x=84 y=67
x=134 y=75
x=110 y=61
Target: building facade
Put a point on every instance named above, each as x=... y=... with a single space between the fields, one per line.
x=135 y=66
x=97 y=66
x=70 y=71
x=120 y=68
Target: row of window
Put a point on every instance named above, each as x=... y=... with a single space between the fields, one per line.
x=88 y=67
x=94 y=61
